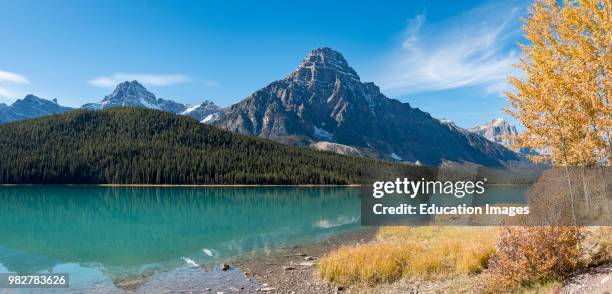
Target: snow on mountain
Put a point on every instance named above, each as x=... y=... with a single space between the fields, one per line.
x=211 y=118
x=202 y=110
x=134 y=94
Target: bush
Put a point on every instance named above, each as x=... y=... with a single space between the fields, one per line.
x=528 y=255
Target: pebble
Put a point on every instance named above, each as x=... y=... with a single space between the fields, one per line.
x=225 y=267
x=307 y=263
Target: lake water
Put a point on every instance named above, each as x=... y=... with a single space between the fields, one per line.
x=103 y=235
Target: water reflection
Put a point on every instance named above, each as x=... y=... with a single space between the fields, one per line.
x=130 y=230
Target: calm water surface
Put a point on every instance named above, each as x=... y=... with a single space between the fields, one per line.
x=102 y=235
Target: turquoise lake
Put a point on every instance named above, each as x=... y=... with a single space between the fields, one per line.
x=103 y=234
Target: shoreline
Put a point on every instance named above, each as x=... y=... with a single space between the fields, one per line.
x=216 y=185
x=188 y=185
x=290 y=269
x=294 y=269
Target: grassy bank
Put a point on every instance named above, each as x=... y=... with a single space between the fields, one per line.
x=427 y=253
x=454 y=255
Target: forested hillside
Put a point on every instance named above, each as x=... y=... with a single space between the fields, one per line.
x=140 y=146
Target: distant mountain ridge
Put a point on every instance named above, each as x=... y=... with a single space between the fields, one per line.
x=325 y=100
x=500 y=131
x=134 y=94
x=497 y=130
x=28 y=107
x=125 y=94
x=204 y=111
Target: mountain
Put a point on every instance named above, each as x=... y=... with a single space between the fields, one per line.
x=134 y=94
x=325 y=100
x=125 y=94
x=130 y=145
x=7 y=114
x=203 y=112
x=496 y=130
x=30 y=107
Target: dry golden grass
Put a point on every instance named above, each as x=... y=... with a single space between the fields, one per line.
x=438 y=253
x=425 y=253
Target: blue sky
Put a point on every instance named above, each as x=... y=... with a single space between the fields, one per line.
x=449 y=58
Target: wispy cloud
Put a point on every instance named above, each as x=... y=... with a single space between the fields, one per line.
x=147 y=79
x=10 y=77
x=9 y=82
x=476 y=48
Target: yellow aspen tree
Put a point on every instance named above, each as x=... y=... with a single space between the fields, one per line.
x=562 y=98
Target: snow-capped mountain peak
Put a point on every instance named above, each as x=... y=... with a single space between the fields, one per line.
x=202 y=111
x=135 y=94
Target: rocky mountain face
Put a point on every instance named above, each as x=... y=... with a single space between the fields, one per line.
x=336 y=148
x=30 y=107
x=204 y=112
x=496 y=131
x=325 y=100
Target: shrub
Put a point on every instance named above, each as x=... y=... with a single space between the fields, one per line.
x=528 y=255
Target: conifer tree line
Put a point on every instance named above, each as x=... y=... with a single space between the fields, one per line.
x=142 y=146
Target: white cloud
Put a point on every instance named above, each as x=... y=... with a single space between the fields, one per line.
x=10 y=83
x=476 y=48
x=147 y=79
x=411 y=34
x=10 y=77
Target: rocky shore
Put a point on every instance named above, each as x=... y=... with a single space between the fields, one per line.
x=293 y=270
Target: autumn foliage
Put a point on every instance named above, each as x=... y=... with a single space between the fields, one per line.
x=562 y=98
x=563 y=101
x=528 y=255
